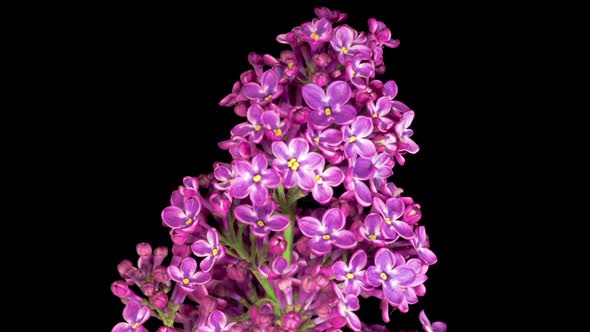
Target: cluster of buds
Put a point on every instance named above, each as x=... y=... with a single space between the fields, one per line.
x=304 y=220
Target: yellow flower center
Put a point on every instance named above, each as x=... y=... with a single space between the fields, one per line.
x=188 y=221
x=267 y=98
x=258 y=127
x=185 y=281
x=256 y=178
x=318 y=179
x=278 y=132
x=372 y=236
x=260 y=223
x=290 y=65
x=328 y=111
x=350 y=275
x=293 y=164
x=326 y=236
x=344 y=50
x=317 y=139
x=315 y=36
x=352 y=139
x=388 y=221
x=375 y=115
x=383 y=276
x=135 y=326
x=215 y=251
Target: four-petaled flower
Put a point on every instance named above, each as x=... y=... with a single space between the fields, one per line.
x=330 y=106
x=355 y=138
x=371 y=230
x=327 y=232
x=216 y=322
x=322 y=192
x=392 y=210
x=352 y=275
x=279 y=268
x=261 y=219
x=359 y=70
x=211 y=249
x=420 y=242
x=345 y=42
x=346 y=305
x=404 y=133
x=183 y=213
x=254 y=179
x=269 y=88
x=253 y=127
x=135 y=315
x=316 y=31
x=296 y=163
x=187 y=276
x=379 y=111
x=393 y=278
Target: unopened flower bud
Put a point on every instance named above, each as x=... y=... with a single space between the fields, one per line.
x=291 y=321
x=321 y=60
x=159 y=299
x=277 y=244
x=144 y=249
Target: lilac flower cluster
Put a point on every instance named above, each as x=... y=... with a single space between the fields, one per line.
x=304 y=220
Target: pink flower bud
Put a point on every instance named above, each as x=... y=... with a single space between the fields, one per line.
x=321 y=60
x=413 y=214
x=159 y=299
x=144 y=249
x=320 y=78
x=302 y=246
x=125 y=268
x=277 y=244
x=324 y=311
x=178 y=236
x=160 y=274
x=147 y=288
x=291 y=321
x=248 y=76
x=120 y=288
x=241 y=109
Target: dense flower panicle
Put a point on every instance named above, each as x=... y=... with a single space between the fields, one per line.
x=304 y=221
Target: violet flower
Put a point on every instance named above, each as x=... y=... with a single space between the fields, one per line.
x=296 y=163
x=421 y=244
x=379 y=111
x=135 y=315
x=371 y=230
x=216 y=322
x=322 y=192
x=391 y=211
x=330 y=106
x=268 y=89
x=254 y=179
x=261 y=219
x=354 y=138
x=252 y=128
x=183 y=213
x=352 y=274
x=211 y=249
x=187 y=276
x=346 y=43
x=346 y=305
x=391 y=277
x=328 y=232
x=359 y=71
x=404 y=133
x=224 y=174
x=279 y=268
x=435 y=327
x=316 y=31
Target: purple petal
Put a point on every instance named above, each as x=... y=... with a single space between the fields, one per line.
x=270 y=178
x=358 y=260
x=259 y=163
x=314 y=97
x=320 y=119
x=290 y=180
x=201 y=248
x=188 y=266
x=175 y=273
x=269 y=79
x=362 y=126
x=306 y=179
x=280 y=150
x=312 y=161
x=277 y=223
x=363 y=169
x=439 y=327
x=298 y=147
x=244 y=168
x=271 y=119
x=217 y=319
x=331 y=136
x=253 y=91
x=131 y=311
x=174 y=217
x=343 y=37
x=203 y=277
x=393 y=295
x=121 y=327
x=338 y=93
x=333 y=176
x=365 y=147
x=384 y=259
x=373 y=276
x=403 y=229
x=423 y=318
x=254 y=114
x=403 y=276
x=322 y=193
x=362 y=193
x=427 y=255
x=344 y=114
x=245 y=214
x=207 y=263
x=279 y=264
x=344 y=239
x=383 y=106
x=340 y=269
x=310 y=226
x=353 y=321
x=240 y=188
x=395 y=207
x=319 y=246
x=259 y=194
x=242 y=129
x=333 y=220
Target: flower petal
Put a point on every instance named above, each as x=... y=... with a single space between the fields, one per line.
x=259 y=195
x=281 y=151
x=365 y=147
x=245 y=214
x=319 y=246
x=358 y=260
x=362 y=126
x=253 y=91
x=314 y=97
x=310 y=226
x=344 y=114
x=333 y=176
x=340 y=269
x=384 y=259
x=131 y=311
x=344 y=239
x=174 y=217
x=338 y=93
x=393 y=295
x=333 y=220
x=201 y=248
x=395 y=207
x=403 y=229
x=322 y=193
x=298 y=147
x=240 y=188
x=277 y=222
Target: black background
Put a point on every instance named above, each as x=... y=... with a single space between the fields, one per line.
x=155 y=76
